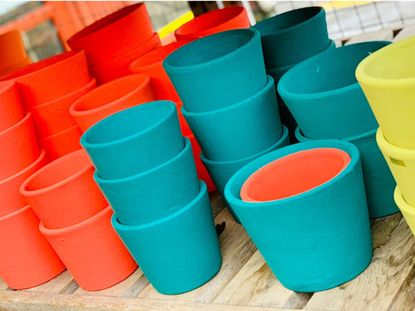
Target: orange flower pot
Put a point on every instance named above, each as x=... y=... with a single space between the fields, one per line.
x=214 y=21
x=92 y=251
x=10 y=198
x=27 y=259
x=12 y=51
x=18 y=147
x=110 y=98
x=62 y=143
x=11 y=109
x=53 y=117
x=51 y=78
x=64 y=193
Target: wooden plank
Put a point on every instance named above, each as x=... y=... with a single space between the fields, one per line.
x=406 y=32
x=56 y=285
x=384 y=34
x=3 y=285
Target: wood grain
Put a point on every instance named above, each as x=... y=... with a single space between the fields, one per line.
x=57 y=285
x=385 y=34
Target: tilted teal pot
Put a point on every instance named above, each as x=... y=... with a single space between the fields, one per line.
x=314 y=240
x=177 y=253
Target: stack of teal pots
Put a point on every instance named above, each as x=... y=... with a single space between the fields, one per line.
x=145 y=168
x=228 y=100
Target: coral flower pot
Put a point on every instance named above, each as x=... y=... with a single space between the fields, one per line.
x=134 y=140
x=62 y=143
x=53 y=117
x=408 y=211
x=213 y=22
x=92 y=251
x=109 y=98
x=27 y=258
x=12 y=51
x=307 y=237
x=177 y=253
x=63 y=192
x=19 y=147
x=11 y=109
x=218 y=71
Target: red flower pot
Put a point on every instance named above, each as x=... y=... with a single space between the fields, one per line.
x=110 y=98
x=214 y=21
x=64 y=192
x=12 y=52
x=11 y=109
x=62 y=143
x=27 y=259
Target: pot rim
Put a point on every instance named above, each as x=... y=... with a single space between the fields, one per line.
x=392 y=150
x=402 y=204
x=15 y=213
x=50 y=137
x=18 y=124
x=300 y=134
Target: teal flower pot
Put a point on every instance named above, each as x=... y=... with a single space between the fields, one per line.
x=218 y=71
x=314 y=240
x=240 y=130
x=293 y=36
x=379 y=182
x=324 y=96
x=177 y=253
x=134 y=140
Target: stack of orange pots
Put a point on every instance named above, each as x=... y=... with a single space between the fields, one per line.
x=12 y=52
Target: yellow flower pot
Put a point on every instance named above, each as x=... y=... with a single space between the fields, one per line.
x=407 y=210
x=387 y=78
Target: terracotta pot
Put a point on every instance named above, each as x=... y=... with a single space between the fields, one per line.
x=92 y=251
x=62 y=143
x=10 y=198
x=11 y=109
x=63 y=192
x=12 y=51
x=53 y=117
x=27 y=258
x=19 y=147
x=110 y=98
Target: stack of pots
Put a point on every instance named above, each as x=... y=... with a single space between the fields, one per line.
x=304 y=207
x=387 y=79
x=324 y=97
x=76 y=220
x=228 y=100
x=145 y=168
x=12 y=52
x=21 y=239
x=114 y=41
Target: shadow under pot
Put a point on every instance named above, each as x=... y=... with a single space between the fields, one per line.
x=11 y=109
x=324 y=96
x=217 y=71
x=155 y=193
x=177 y=253
x=134 y=140
x=408 y=211
x=27 y=258
x=379 y=182
x=240 y=130
x=92 y=251
x=307 y=234
x=63 y=192
x=64 y=142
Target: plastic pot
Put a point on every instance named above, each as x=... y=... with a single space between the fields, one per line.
x=241 y=130
x=213 y=22
x=59 y=144
x=10 y=198
x=406 y=209
x=63 y=192
x=37 y=82
x=177 y=253
x=11 y=109
x=92 y=251
x=109 y=98
x=308 y=239
x=293 y=36
x=13 y=52
x=134 y=140
x=218 y=71
x=53 y=117
x=19 y=147
x=27 y=258
x=155 y=193
x=323 y=95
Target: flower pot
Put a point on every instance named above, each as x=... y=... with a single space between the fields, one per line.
x=27 y=258
x=213 y=22
x=109 y=98
x=53 y=117
x=134 y=140
x=177 y=253
x=324 y=97
x=11 y=109
x=302 y=32
x=241 y=130
x=19 y=147
x=92 y=251
x=12 y=51
x=24 y=62
x=217 y=71
x=59 y=144
x=63 y=192
x=37 y=82
x=308 y=238
x=155 y=193
x=10 y=198
x=406 y=209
